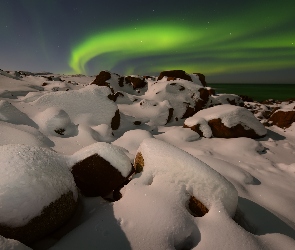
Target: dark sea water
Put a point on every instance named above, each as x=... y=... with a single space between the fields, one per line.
x=257 y=91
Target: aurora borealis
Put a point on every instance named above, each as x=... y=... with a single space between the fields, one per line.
x=228 y=41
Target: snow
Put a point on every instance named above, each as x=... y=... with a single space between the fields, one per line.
x=188 y=173
x=10 y=244
x=31 y=178
x=230 y=116
x=256 y=176
x=114 y=155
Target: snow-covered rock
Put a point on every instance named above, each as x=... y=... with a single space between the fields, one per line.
x=37 y=192
x=226 y=121
x=87 y=105
x=169 y=180
x=100 y=168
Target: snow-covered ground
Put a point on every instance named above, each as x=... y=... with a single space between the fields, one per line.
x=50 y=122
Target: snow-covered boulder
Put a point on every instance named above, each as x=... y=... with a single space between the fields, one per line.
x=185 y=97
x=11 y=114
x=129 y=84
x=220 y=99
x=56 y=122
x=100 y=168
x=87 y=105
x=283 y=117
x=197 y=78
x=37 y=192
x=226 y=121
x=172 y=188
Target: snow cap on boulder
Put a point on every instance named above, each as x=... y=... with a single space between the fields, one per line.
x=99 y=168
x=37 y=192
x=226 y=121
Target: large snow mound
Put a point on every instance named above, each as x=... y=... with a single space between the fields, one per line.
x=30 y=175
x=87 y=105
x=189 y=174
x=56 y=122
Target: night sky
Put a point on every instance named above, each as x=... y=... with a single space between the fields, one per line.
x=228 y=41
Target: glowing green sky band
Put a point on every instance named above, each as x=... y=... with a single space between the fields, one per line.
x=138 y=41
x=249 y=43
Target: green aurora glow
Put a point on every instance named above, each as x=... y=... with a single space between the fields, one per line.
x=222 y=46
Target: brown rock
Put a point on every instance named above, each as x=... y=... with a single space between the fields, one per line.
x=197 y=208
x=221 y=131
x=51 y=217
x=195 y=128
x=138 y=163
x=204 y=95
x=115 y=124
x=95 y=176
x=175 y=74
x=136 y=82
x=101 y=79
x=170 y=78
x=201 y=78
x=282 y=119
x=170 y=115
x=246 y=98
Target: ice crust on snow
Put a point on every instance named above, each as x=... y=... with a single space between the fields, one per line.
x=31 y=178
x=114 y=155
x=162 y=160
x=230 y=116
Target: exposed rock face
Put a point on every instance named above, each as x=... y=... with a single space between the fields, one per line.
x=136 y=82
x=222 y=131
x=197 y=208
x=226 y=121
x=115 y=124
x=101 y=79
x=246 y=98
x=39 y=195
x=202 y=79
x=52 y=217
x=282 y=118
x=95 y=176
x=175 y=74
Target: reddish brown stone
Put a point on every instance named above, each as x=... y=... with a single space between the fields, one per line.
x=170 y=115
x=221 y=131
x=170 y=78
x=197 y=208
x=101 y=79
x=51 y=218
x=136 y=82
x=176 y=74
x=116 y=95
x=190 y=111
x=211 y=91
x=204 y=95
x=115 y=124
x=202 y=79
x=95 y=176
x=282 y=119
x=195 y=128
x=246 y=98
